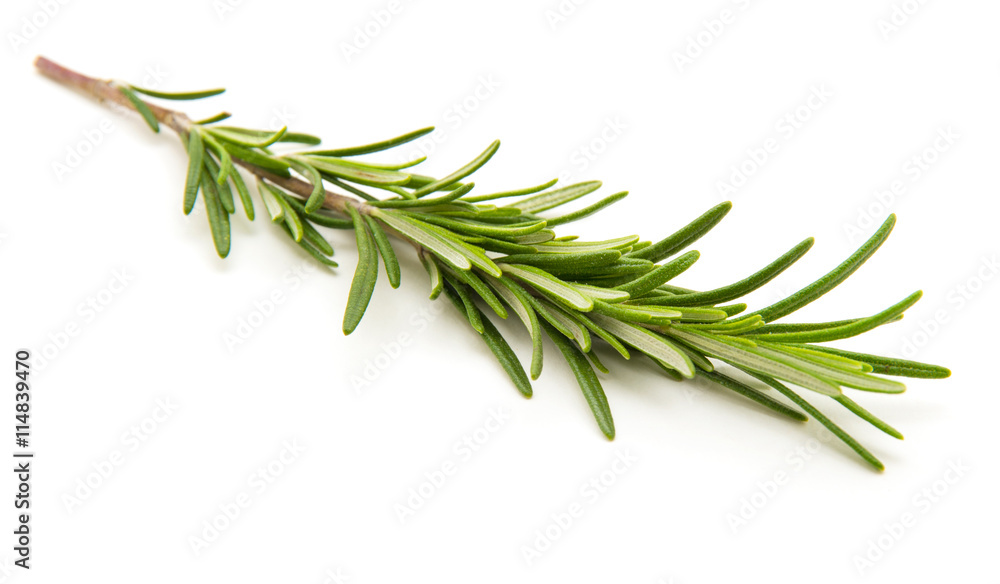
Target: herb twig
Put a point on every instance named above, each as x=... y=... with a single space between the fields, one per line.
x=491 y=258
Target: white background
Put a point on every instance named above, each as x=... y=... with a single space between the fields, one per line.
x=605 y=77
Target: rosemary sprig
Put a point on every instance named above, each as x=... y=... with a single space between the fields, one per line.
x=506 y=259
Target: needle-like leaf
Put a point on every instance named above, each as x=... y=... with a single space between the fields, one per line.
x=364 y=277
x=585 y=376
x=385 y=250
x=501 y=350
x=830 y=280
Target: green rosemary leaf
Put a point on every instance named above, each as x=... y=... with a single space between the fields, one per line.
x=648 y=342
x=729 y=327
x=667 y=369
x=557 y=197
x=827 y=358
x=587 y=246
x=291 y=218
x=384 y=247
x=608 y=295
x=423 y=236
x=259 y=159
x=477 y=228
x=517 y=193
x=419 y=180
x=313 y=251
x=471 y=311
x=496 y=245
x=587 y=211
x=262 y=138
x=141 y=107
x=270 y=195
x=460 y=173
x=319 y=217
x=519 y=302
x=754 y=394
x=697 y=357
x=537 y=237
x=222 y=188
x=357 y=173
x=434 y=272
x=660 y=275
x=184 y=95
x=587 y=379
x=218 y=218
x=211 y=120
x=564 y=323
x=624 y=268
x=596 y=362
x=822 y=419
x=739 y=356
x=847 y=330
x=425 y=203
x=318 y=195
x=248 y=138
x=550 y=285
x=831 y=279
x=376 y=146
x=601 y=333
x=314 y=238
x=196 y=153
x=300 y=138
x=349 y=187
x=475 y=254
x=748 y=284
x=243 y=192
x=472 y=281
x=685 y=236
x=564 y=261
x=888 y=365
x=733 y=309
x=363 y=284
x=780 y=327
x=501 y=350
x=395 y=165
x=636 y=314
x=690 y=313
x=824 y=370
x=225 y=160
x=867 y=416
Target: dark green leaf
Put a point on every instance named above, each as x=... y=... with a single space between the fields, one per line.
x=141 y=107
x=557 y=197
x=460 y=173
x=196 y=153
x=830 y=280
x=363 y=283
x=375 y=147
x=585 y=376
x=746 y=285
x=660 y=275
x=501 y=350
x=888 y=365
x=218 y=218
x=751 y=393
x=587 y=211
x=385 y=250
x=843 y=331
x=184 y=95
x=517 y=193
x=832 y=427
x=685 y=236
